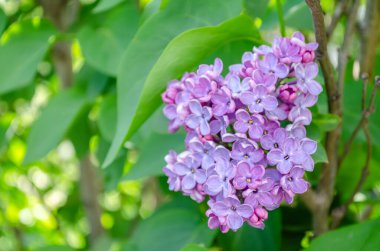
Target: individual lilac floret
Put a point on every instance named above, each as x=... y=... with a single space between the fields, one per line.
x=190 y=171
x=309 y=147
x=260 y=195
x=294 y=181
x=259 y=100
x=288 y=155
x=254 y=124
x=237 y=86
x=300 y=109
x=233 y=210
x=245 y=150
x=246 y=145
x=305 y=75
x=219 y=182
x=271 y=65
x=174 y=181
x=222 y=102
x=205 y=151
x=199 y=118
x=269 y=142
x=248 y=176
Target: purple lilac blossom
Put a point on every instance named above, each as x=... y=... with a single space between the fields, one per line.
x=247 y=149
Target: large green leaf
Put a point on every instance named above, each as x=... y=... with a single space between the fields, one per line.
x=170 y=229
x=104 y=39
x=52 y=125
x=157 y=142
x=182 y=54
x=249 y=238
x=23 y=46
x=363 y=237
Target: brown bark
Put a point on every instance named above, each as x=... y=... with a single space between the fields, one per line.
x=321 y=199
x=90 y=189
x=370 y=31
x=63 y=13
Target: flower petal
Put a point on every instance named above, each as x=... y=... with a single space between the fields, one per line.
x=234 y=221
x=188 y=182
x=244 y=210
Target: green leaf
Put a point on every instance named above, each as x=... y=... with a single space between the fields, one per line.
x=256 y=8
x=363 y=237
x=295 y=12
x=193 y=45
x=249 y=238
x=23 y=46
x=150 y=9
x=114 y=173
x=350 y=171
x=56 y=248
x=3 y=21
x=53 y=123
x=80 y=132
x=170 y=229
x=183 y=53
x=194 y=247
x=230 y=53
x=107 y=117
x=151 y=155
x=104 y=5
x=320 y=156
x=326 y=122
x=112 y=32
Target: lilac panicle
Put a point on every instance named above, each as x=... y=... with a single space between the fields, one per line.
x=247 y=149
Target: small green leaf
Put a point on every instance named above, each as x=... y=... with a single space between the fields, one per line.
x=363 y=237
x=320 y=156
x=23 y=46
x=326 y=122
x=53 y=123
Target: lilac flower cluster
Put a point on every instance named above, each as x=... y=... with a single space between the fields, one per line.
x=246 y=144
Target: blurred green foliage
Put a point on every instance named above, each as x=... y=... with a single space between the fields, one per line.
x=123 y=54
